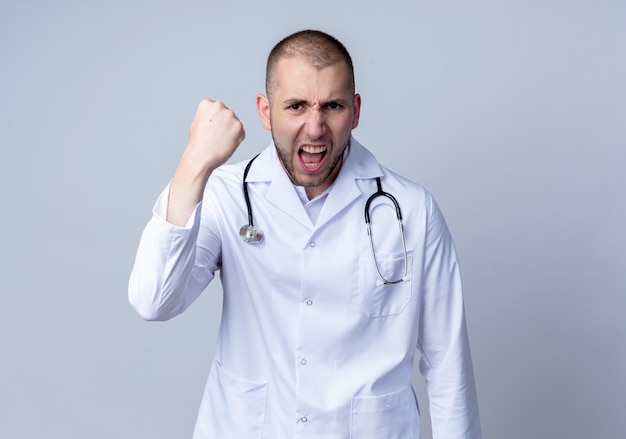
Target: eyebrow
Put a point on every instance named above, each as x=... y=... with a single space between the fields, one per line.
x=293 y=101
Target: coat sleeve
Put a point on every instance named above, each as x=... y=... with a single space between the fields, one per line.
x=173 y=264
x=446 y=362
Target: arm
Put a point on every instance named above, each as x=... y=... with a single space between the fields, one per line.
x=214 y=136
x=446 y=362
x=170 y=270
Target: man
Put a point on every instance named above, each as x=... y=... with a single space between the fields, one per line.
x=321 y=319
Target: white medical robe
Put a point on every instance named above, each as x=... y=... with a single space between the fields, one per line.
x=309 y=345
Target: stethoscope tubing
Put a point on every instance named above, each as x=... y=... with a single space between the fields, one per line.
x=245 y=191
x=252 y=235
x=381 y=193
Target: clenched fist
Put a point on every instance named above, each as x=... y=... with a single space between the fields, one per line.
x=214 y=136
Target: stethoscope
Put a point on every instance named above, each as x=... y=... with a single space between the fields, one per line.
x=254 y=235
x=249 y=232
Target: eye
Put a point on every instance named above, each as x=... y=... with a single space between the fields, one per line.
x=333 y=106
x=295 y=107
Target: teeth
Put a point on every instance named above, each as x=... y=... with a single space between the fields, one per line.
x=313 y=149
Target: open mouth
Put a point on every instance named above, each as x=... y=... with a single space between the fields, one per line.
x=312 y=157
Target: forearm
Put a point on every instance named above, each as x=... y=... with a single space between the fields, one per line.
x=186 y=188
x=452 y=391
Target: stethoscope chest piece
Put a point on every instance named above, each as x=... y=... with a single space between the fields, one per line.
x=251 y=234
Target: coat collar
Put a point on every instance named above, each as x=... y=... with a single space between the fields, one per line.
x=359 y=164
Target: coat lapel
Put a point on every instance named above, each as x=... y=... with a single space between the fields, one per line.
x=280 y=193
x=359 y=164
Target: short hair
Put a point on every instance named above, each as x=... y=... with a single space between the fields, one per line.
x=318 y=48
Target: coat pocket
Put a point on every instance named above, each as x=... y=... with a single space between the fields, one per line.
x=390 y=416
x=233 y=407
x=388 y=299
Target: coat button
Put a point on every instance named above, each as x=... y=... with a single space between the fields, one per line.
x=309 y=302
x=312 y=244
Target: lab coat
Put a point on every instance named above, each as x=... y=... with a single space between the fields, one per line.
x=309 y=345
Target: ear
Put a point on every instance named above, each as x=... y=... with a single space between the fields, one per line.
x=263 y=107
x=357 y=110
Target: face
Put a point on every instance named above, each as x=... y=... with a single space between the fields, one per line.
x=311 y=113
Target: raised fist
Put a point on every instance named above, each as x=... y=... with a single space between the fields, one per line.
x=214 y=135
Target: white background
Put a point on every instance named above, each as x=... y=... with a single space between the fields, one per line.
x=513 y=113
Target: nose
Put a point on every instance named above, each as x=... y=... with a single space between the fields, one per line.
x=315 y=125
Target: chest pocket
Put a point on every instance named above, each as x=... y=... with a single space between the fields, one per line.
x=389 y=299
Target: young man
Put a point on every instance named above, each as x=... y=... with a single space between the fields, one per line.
x=322 y=315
